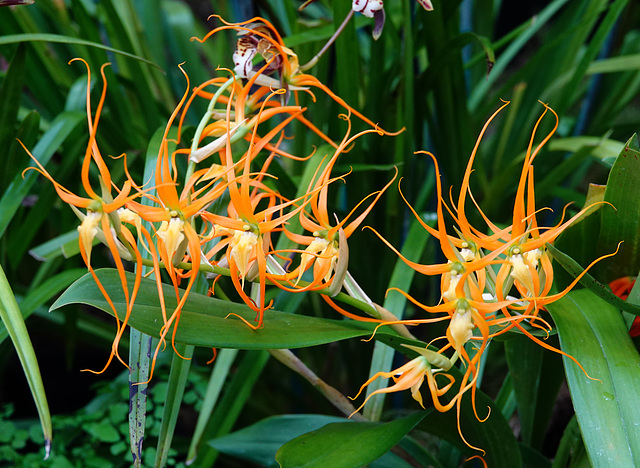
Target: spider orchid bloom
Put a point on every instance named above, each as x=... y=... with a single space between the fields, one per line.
x=472 y=319
x=102 y=218
x=248 y=229
x=259 y=37
x=248 y=226
x=462 y=256
x=175 y=212
x=327 y=248
x=528 y=265
x=245 y=108
x=412 y=375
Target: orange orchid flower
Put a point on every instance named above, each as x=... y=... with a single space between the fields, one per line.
x=327 y=248
x=474 y=296
x=245 y=108
x=102 y=219
x=259 y=36
x=248 y=226
x=175 y=212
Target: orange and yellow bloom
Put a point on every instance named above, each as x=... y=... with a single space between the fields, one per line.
x=490 y=284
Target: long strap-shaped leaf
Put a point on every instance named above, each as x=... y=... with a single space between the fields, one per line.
x=13 y=321
x=594 y=333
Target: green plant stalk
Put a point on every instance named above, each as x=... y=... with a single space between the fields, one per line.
x=337 y=399
x=222 y=366
x=13 y=321
x=180 y=364
x=382 y=358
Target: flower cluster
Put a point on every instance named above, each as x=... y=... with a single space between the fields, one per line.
x=223 y=217
x=491 y=284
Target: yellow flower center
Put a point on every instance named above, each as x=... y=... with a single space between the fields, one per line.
x=172 y=235
x=461 y=325
x=242 y=249
x=521 y=267
x=88 y=230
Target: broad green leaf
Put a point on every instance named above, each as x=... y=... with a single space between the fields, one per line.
x=205 y=321
x=259 y=442
x=594 y=333
x=346 y=444
x=615 y=64
x=505 y=401
x=602 y=147
x=14 y=323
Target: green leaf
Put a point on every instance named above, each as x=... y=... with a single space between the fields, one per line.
x=103 y=431
x=222 y=365
x=60 y=129
x=494 y=436
x=18 y=38
x=205 y=321
x=44 y=292
x=259 y=442
x=571 y=446
x=65 y=244
x=613 y=224
x=180 y=364
x=13 y=321
x=10 y=98
x=536 y=375
x=602 y=147
x=574 y=269
x=594 y=333
x=345 y=444
x=623 y=224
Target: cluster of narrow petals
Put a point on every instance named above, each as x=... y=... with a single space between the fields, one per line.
x=496 y=279
x=221 y=217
